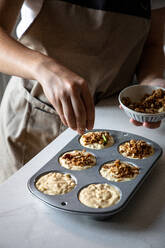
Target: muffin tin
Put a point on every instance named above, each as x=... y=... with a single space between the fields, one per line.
x=69 y=202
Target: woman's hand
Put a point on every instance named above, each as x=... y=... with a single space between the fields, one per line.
x=154 y=82
x=68 y=93
x=151 y=125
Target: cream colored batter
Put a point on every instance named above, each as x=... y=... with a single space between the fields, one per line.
x=55 y=183
x=99 y=195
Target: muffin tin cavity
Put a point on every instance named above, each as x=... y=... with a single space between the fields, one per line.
x=77 y=160
x=55 y=183
x=119 y=171
x=99 y=195
x=136 y=149
x=83 y=178
x=97 y=140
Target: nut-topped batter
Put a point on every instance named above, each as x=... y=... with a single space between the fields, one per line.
x=99 y=195
x=97 y=140
x=55 y=183
x=137 y=149
x=77 y=160
x=154 y=103
x=119 y=171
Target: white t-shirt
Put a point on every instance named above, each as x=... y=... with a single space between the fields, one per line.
x=31 y=8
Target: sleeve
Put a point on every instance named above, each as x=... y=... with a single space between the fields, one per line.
x=29 y=11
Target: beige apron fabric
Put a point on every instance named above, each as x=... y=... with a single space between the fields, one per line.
x=103 y=47
x=27 y=126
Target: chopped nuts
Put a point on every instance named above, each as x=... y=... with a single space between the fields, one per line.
x=120 y=170
x=79 y=158
x=136 y=149
x=154 y=103
x=96 y=137
x=97 y=140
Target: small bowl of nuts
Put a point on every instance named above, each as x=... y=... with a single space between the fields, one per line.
x=143 y=103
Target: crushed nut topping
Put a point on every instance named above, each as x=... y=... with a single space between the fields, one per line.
x=136 y=149
x=79 y=158
x=154 y=103
x=96 y=137
x=120 y=169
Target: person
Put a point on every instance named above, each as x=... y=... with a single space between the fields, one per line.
x=69 y=55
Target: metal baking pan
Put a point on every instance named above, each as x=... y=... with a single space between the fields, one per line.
x=69 y=202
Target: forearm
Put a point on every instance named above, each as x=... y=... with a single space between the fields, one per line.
x=16 y=59
x=152 y=64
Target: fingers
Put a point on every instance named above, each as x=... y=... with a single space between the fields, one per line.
x=72 y=100
x=152 y=125
x=79 y=112
x=72 y=111
x=89 y=106
x=59 y=109
x=136 y=123
x=68 y=113
x=83 y=106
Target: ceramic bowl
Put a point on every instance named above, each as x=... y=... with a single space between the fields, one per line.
x=135 y=93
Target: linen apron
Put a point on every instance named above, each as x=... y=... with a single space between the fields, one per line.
x=101 y=44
